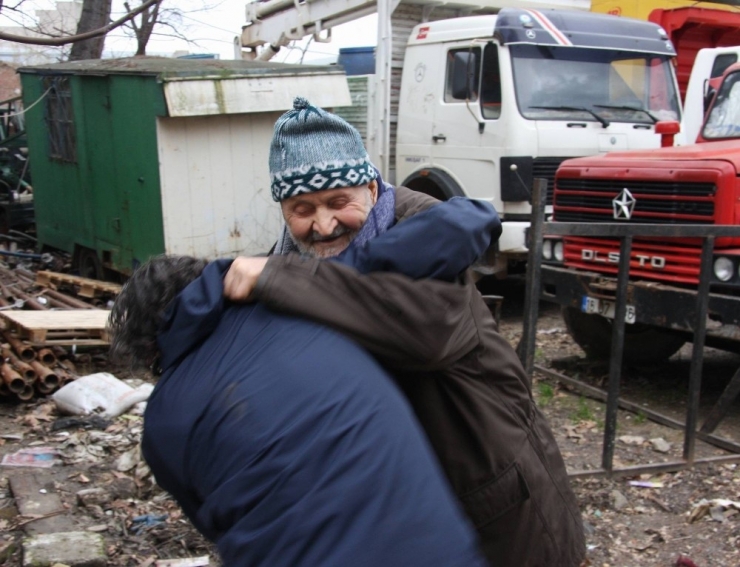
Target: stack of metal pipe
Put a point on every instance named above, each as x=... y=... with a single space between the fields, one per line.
x=26 y=370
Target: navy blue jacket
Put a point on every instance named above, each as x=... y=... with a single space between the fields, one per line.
x=287 y=445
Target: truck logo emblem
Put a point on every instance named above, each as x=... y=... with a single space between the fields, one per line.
x=423 y=31
x=624 y=205
x=419 y=72
x=530 y=34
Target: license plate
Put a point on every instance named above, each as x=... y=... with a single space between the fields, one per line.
x=605 y=308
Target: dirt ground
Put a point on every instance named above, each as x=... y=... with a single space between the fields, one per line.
x=687 y=518
x=658 y=519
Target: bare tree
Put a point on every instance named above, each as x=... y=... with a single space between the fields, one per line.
x=144 y=27
x=163 y=20
x=95 y=14
x=67 y=39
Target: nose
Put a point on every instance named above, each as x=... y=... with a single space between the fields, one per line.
x=324 y=222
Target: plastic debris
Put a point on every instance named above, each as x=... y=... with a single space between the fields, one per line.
x=100 y=393
x=141 y=523
x=39 y=457
x=88 y=422
x=718 y=509
x=184 y=562
x=646 y=483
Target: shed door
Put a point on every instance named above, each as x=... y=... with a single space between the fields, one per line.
x=107 y=189
x=216 y=199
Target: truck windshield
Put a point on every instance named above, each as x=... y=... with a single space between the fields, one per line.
x=723 y=120
x=572 y=83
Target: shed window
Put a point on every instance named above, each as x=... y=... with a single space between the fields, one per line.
x=60 y=120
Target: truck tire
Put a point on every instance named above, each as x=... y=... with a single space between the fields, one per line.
x=435 y=183
x=643 y=344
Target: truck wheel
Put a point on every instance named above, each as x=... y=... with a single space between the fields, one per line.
x=643 y=344
x=88 y=264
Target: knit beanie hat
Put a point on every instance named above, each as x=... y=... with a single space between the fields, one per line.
x=313 y=150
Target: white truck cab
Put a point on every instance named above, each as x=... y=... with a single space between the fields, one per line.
x=488 y=103
x=706 y=74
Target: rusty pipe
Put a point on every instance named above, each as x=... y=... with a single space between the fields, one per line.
x=60 y=352
x=26 y=394
x=71 y=302
x=46 y=356
x=68 y=365
x=30 y=301
x=46 y=376
x=25 y=370
x=15 y=381
x=43 y=389
x=54 y=303
x=64 y=376
x=23 y=350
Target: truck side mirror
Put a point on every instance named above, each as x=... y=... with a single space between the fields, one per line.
x=667 y=130
x=464 y=75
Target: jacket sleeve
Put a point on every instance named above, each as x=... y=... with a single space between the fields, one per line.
x=438 y=243
x=388 y=295
x=413 y=325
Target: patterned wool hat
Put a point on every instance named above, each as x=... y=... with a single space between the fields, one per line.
x=312 y=150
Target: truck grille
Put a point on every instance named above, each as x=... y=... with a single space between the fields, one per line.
x=545 y=167
x=651 y=260
x=590 y=200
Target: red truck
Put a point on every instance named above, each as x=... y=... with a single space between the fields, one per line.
x=694 y=184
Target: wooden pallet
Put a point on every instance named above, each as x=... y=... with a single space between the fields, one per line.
x=65 y=327
x=87 y=287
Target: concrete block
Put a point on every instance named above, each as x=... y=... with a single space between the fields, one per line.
x=76 y=549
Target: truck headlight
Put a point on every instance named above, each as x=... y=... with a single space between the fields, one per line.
x=558 y=251
x=723 y=269
x=547 y=250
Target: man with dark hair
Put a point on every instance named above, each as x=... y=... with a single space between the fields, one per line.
x=436 y=336
x=280 y=454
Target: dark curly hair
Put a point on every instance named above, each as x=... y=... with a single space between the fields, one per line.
x=136 y=316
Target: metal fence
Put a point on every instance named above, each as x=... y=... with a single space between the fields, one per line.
x=626 y=234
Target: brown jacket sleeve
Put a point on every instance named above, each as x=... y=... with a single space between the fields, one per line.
x=409 y=203
x=414 y=325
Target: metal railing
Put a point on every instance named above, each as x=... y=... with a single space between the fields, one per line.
x=626 y=233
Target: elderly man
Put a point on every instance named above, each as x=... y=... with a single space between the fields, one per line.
x=280 y=454
x=462 y=378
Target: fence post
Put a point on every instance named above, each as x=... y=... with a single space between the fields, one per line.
x=533 y=282
x=697 y=348
x=615 y=359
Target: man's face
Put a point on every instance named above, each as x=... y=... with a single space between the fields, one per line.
x=324 y=223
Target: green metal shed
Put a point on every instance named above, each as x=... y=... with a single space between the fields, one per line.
x=141 y=156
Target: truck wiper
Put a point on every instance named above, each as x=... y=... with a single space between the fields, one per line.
x=604 y=121
x=650 y=115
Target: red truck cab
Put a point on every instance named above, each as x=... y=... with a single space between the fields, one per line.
x=695 y=184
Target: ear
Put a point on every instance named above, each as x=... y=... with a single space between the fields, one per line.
x=373 y=186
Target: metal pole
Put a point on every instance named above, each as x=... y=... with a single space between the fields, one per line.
x=697 y=350
x=617 y=347
x=533 y=281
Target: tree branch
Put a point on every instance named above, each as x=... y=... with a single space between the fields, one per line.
x=79 y=37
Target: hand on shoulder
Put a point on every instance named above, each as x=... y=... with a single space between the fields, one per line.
x=241 y=279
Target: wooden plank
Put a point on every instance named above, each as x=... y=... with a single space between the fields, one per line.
x=66 y=327
x=34 y=498
x=88 y=286
x=65 y=319
x=72 y=342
